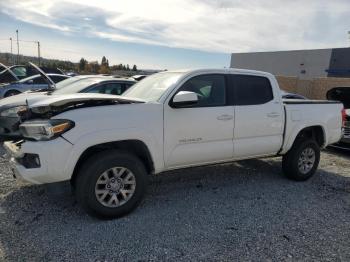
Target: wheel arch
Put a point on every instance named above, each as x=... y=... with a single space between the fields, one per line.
x=315 y=132
x=11 y=90
x=136 y=147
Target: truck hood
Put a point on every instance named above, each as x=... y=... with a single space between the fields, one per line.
x=56 y=104
x=61 y=100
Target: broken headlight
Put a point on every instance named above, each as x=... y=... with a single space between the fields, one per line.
x=13 y=111
x=45 y=129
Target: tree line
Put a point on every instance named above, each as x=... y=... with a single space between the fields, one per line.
x=85 y=66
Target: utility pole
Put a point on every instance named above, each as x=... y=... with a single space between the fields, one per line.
x=38 y=53
x=17 y=47
x=12 y=60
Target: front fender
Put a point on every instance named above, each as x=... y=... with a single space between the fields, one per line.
x=113 y=135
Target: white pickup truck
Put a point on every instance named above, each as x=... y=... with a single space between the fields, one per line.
x=107 y=145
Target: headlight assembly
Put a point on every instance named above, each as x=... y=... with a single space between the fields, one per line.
x=13 y=111
x=45 y=129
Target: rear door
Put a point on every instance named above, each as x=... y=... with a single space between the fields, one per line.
x=258 y=116
x=200 y=133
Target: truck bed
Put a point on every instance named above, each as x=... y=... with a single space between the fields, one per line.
x=307 y=113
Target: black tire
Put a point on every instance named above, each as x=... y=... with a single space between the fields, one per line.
x=290 y=160
x=11 y=93
x=91 y=171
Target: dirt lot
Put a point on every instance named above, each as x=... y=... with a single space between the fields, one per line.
x=241 y=211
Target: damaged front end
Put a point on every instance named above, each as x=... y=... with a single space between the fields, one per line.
x=34 y=122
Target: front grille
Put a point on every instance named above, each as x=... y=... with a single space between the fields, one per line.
x=347 y=129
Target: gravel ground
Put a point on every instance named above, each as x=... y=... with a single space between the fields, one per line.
x=241 y=211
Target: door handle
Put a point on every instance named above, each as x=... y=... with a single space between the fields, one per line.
x=225 y=117
x=273 y=114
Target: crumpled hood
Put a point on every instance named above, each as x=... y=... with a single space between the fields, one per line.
x=55 y=104
x=61 y=100
x=20 y=99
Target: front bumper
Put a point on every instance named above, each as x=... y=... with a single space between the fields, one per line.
x=346 y=133
x=53 y=156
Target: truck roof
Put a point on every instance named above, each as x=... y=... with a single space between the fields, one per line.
x=222 y=70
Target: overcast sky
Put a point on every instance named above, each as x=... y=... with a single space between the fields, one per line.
x=172 y=33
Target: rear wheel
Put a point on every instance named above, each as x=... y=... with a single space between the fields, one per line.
x=11 y=93
x=111 y=184
x=302 y=160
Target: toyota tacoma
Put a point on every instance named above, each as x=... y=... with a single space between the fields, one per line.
x=107 y=145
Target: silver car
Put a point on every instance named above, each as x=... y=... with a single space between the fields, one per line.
x=35 y=82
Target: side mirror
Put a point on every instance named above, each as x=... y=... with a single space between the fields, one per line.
x=184 y=99
x=30 y=82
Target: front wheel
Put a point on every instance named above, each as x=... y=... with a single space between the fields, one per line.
x=302 y=160
x=111 y=184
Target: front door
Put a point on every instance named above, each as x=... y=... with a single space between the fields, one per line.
x=201 y=133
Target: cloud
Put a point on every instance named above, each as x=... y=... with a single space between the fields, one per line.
x=208 y=25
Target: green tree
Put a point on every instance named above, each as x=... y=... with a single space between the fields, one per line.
x=82 y=64
x=134 y=68
x=103 y=61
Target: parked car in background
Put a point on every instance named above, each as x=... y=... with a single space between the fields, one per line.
x=342 y=94
x=106 y=146
x=287 y=95
x=138 y=77
x=346 y=136
x=35 y=82
x=18 y=72
x=79 y=84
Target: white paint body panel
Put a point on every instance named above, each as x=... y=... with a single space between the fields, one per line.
x=197 y=135
x=178 y=138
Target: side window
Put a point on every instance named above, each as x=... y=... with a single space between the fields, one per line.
x=211 y=90
x=251 y=90
x=39 y=81
x=20 y=71
x=96 y=89
x=114 y=88
x=127 y=86
x=57 y=79
x=107 y=88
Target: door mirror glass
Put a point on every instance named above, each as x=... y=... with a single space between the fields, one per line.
x=185 y=98
x=30 y=82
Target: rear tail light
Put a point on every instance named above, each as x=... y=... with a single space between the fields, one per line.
x=343 y=117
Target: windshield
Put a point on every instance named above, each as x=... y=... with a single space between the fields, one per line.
x=75 y=86
x=153 y=87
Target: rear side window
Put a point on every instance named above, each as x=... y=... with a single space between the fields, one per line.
x=251 y=90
